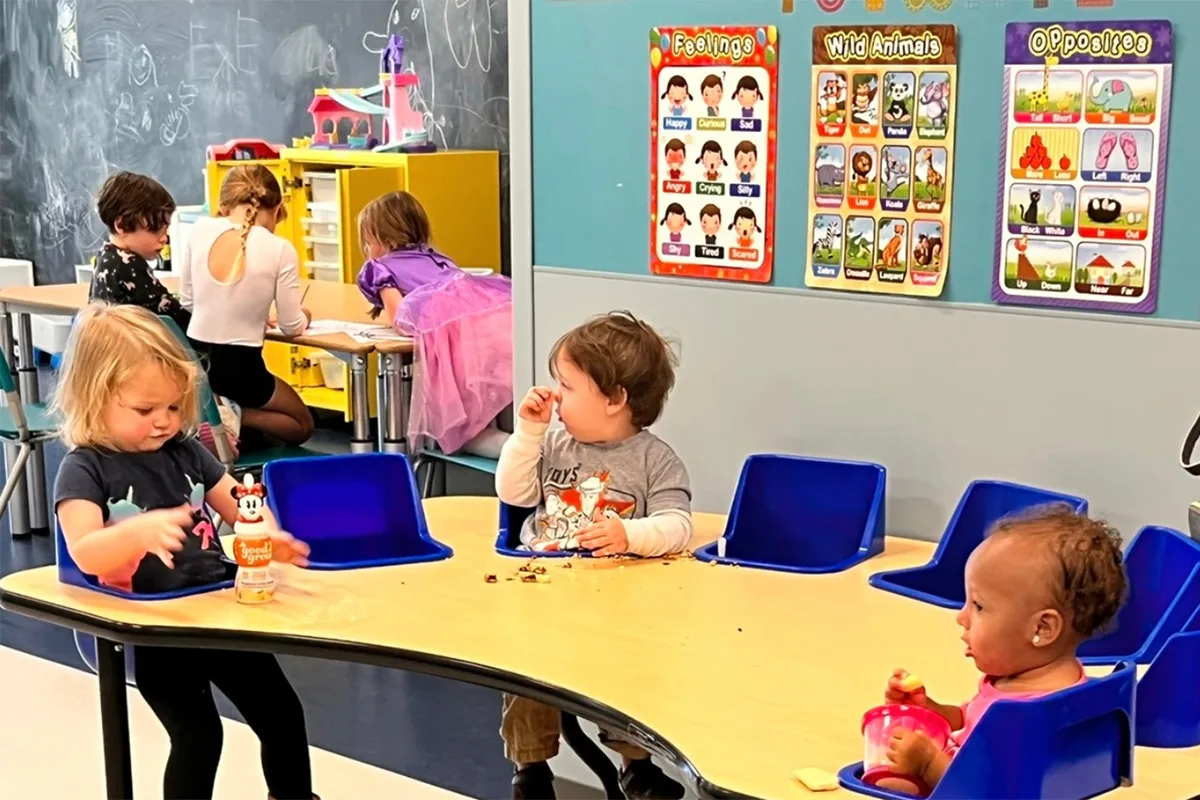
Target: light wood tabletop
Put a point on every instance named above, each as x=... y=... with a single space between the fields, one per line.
x=325 y=299
x=748 y=674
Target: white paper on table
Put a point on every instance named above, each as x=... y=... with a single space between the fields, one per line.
x=359 y=331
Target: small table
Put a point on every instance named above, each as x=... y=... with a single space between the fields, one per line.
x=29 y=508
x=739 y=676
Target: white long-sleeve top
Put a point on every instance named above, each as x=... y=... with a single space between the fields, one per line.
x=236 y=313
x=640 y=481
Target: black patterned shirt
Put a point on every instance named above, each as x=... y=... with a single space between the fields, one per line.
x=125 y=278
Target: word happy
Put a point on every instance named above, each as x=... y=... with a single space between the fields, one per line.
x=897 y=46
x=711 y=43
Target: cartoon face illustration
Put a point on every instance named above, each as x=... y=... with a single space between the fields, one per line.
x=675 y=153
x=250 y=498
x=590 y=490
x=710 y=222
x=712 y=159
x=748 y=94
x=677 y=93
x=675 y=219
x=712 y=91
x=745 y=158
x=745 y=225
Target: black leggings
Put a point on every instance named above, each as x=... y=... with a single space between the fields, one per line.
x=177 y=684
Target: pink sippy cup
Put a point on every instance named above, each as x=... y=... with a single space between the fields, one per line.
x=877 y=727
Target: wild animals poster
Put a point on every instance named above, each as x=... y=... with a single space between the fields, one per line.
x=712 y=151
x=882 y=158
x=1083 y=165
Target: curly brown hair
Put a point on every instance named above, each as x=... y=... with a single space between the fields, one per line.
x=1090 y=583
x=619 y=353
x=129 y=202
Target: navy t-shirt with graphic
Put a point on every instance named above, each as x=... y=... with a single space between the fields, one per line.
x=127 y=484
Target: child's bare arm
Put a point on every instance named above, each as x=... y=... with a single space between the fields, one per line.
x=99 y=550
x=935 y=770
x=904 y=687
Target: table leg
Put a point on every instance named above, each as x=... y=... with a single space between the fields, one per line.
x=406 y=392
x=591 y=755
x=380 y=404
x=391 y=415
x=360 y=404
x=114 y=719
x=39 y=507
x=18 y=506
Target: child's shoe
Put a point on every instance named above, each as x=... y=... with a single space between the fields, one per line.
x=643 y=780
x=533 y=782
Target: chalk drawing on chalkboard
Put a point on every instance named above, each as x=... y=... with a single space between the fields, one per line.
x=68 y=34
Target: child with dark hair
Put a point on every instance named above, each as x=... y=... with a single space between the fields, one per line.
x=137 y=211
x=675 y=153
x=712 y=158
x=603 y=483
x=1040 y=585
x=747 y=94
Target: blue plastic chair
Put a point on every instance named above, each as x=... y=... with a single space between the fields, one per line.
x=250 y=461
x=941 y=582
x=508 y=540
x=1163 y=569
x=24 y=424
x=1168 y=705
x=805 y=515
x=358 y=510
x=1072 y=744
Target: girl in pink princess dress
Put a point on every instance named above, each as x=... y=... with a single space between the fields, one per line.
x=460 y=323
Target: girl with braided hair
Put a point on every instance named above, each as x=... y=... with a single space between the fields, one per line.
x=233 y=267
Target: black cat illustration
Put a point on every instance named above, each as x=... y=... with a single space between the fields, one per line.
x=1030 y=215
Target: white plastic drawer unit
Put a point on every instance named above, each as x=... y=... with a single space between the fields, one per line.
x=322 y=187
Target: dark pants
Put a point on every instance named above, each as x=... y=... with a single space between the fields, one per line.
x=177 y=684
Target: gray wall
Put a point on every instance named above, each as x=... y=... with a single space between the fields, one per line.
x=938 y=394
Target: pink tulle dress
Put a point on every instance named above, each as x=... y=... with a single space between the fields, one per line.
x=462 y=327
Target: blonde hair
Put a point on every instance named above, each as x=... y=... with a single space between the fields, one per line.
x=254 y=185
x=396 y=220
x=106 y=346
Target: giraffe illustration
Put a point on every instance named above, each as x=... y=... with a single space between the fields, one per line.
x=1041 y=99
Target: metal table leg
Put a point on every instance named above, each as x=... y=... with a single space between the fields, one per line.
x=39 y=507
x=18 y=506
x=360 y=404
x=406 y=392
x=380 y=404
x=591 y=755
x=391 y=415
x=114 y=719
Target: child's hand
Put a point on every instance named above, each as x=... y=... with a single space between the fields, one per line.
x=911 y=752
x=161 y=532
x=537 y=405
x=900 y=689
x=287 y=549
x=605 y=538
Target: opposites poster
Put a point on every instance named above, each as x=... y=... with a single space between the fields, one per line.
x=881 y=161
x=1083 y=164
x=712 y=151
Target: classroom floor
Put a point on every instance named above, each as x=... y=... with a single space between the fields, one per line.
x=375 y=732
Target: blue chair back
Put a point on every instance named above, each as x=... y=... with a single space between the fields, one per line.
x=208 y=402
x=1072 y=744
x=1168 y=705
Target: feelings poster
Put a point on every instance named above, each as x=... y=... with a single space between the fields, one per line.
x=881 y=162
x=1083 y=165
x=712 y=151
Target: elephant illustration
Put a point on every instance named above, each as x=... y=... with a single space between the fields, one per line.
x=1114 y=94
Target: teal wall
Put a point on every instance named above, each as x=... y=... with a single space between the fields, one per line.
x=591 y=130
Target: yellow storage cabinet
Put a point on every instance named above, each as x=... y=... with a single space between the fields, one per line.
x=325 y=190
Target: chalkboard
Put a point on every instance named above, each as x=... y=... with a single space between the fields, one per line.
x=89 y=87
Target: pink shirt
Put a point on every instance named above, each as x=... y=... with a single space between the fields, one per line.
x=988 y=693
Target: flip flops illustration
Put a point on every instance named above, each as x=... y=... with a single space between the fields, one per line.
x=1109 y=142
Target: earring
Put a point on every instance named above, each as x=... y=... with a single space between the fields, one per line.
x=1037 y=639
